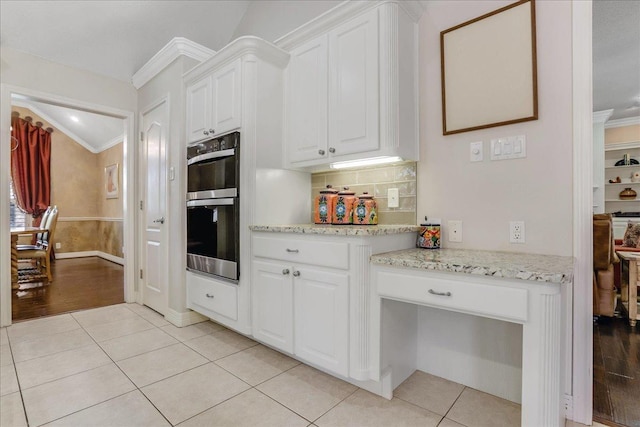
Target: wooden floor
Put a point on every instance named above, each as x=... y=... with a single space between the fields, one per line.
x=616 y=372
x=78 y=284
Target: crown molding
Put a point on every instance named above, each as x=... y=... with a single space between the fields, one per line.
x=602 y=116
x=239 y=47
x=165 y=56
x=339 y=14
x=112 y=143
x=629 y=121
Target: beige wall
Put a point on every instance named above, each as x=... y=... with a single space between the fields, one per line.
x=77 y=189
x=487 y=195
x=376 y=181
x=622 y=134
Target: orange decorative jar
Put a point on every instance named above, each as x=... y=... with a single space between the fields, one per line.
x=323 y=205
x=343 y=207
x=365 y=211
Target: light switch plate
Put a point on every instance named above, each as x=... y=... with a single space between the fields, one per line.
x=511 y=147
x=393 y=198
x=475 y=151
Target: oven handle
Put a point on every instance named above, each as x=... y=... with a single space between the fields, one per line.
x=213 y=155
x=210 y=202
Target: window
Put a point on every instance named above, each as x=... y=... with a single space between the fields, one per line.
x=17 y=218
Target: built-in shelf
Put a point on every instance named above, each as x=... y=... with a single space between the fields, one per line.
x=624 y=201
x=622 y=183
x=622 y=167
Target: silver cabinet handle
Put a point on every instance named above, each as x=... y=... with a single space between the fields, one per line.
x=205 y=132
x=212 y=131
x=442 y=294
x=332 y=150
x=321 y=152
x=159 y=220
x=296 y=273
x=285 y=271
x=209 y=296
x=293 y=251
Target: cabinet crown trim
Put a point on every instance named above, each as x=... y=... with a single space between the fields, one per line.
x=246 y=45
x=165 y=56
x=338 y=15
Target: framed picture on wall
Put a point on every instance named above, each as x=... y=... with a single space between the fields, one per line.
x=488 y=67
x=112 y=186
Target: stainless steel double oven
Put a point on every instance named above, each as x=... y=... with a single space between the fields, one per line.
x=213 y=213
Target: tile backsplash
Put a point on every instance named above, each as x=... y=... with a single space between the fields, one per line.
x=376 y=180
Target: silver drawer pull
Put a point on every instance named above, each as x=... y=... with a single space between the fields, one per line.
x=285 y=271
x=296 y=273
x=293 y=251
x=209 y=296
x=442 y=294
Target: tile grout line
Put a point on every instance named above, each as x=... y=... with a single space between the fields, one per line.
x=15 y=371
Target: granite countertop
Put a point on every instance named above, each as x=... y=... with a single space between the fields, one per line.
x=337 y=230
x=509 y=265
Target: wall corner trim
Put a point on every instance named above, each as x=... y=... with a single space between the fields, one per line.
x=165 y=56
x=629 y=121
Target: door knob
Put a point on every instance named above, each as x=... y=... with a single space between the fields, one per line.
x=159 y=220
x=212 y=131
x=285 y=271
x=206 y=132
x=332 y=150
x=321 y=152
x=296 y=273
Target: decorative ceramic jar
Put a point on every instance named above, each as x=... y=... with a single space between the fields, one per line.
x=429 y=235
x=365 y=211
x=628 y=194
x=323 y=205
x=343 y=207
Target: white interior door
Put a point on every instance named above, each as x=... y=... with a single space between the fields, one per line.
x=154 y=141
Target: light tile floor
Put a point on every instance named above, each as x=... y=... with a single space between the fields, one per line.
x=124 y=365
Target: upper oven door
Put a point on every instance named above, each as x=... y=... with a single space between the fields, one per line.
x=212 y=169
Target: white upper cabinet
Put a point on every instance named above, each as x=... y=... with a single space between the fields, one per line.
x=352 y=85
x=353 y=98
x=213 y=103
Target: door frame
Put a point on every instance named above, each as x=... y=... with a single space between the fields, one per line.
x=581 y=408
x=141 y=235
x=128 y=187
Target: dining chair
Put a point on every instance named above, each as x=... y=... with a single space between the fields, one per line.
x=38 y=237
x=41 y=254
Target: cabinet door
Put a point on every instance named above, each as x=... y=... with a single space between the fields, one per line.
x=226 y=98
x=272 y=296
x=321 y=309
x=307 y=78
x=354 y=86
x=198 y=109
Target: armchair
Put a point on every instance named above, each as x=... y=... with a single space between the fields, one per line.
x=604 y=257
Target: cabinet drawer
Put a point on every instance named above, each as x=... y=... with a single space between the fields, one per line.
x=309 y=251
x=469 y=297
x=212 y=295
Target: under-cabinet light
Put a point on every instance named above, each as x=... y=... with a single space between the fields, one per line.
x=364 y=162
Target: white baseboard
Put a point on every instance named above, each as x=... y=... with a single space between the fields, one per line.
x=568 y=406
x=83 y=254
x=183 y=319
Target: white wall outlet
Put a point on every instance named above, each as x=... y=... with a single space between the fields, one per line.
x=455 y=231
x=58 y=245
x=516 y=232
x=393 y=198
x=475 y=151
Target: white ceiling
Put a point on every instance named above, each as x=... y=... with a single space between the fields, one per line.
x=116 y=38
x=616 y=57
x=95 y=132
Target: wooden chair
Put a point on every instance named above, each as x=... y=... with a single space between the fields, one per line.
x=38 y=242
x=41 y=253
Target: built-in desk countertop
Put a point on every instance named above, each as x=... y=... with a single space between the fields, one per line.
x=508 y=265
x=337 y=230
x=518 y=288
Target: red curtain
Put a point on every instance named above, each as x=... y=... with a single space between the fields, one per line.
x=31 y=166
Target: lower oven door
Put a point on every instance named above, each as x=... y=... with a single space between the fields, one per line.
x=212 y=237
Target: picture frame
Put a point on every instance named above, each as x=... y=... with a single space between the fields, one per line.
x=489 y=70
x=112 y=181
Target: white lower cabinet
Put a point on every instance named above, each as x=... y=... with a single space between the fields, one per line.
x=304 y=311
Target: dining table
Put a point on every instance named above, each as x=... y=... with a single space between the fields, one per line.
x=15 y=233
